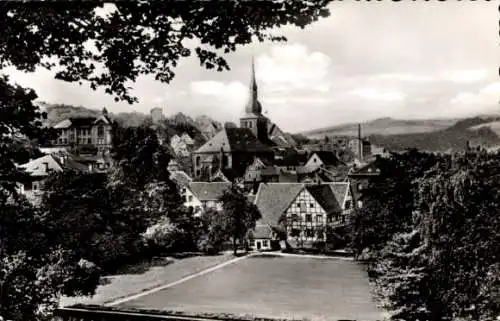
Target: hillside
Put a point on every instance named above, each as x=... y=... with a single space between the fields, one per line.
x=383 y=126
x=477 y=131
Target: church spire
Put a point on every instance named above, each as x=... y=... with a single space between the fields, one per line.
x=253 y=105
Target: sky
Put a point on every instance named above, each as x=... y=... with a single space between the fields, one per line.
x=408 y=60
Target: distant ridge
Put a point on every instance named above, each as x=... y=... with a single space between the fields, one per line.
x=383 y=126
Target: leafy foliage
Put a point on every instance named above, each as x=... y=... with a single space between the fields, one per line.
x=238 y=216
x=440 y=262
x=138 y=38
x=34 y=271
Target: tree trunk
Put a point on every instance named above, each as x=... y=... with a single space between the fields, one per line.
x=235 y=248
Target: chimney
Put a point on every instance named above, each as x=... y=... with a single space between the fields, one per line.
x=221 y=160
x=360 y=143
x=46 y=167
x=255 y=186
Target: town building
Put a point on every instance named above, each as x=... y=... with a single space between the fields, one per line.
x=236 y=148
x=360 y=178
x=360 y=147
x=38 y=170
x=157 y=115
x=324 y=159
x=203 y=195
x=90 y=132
x=302 y=212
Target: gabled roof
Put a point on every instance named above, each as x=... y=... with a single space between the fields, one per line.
x=328 y=158
x=180 y=178
x=262 y=231
x=69 y=163
x=82 y=121
x=234 y=139
x=36 y=167
x=323 y=194
x=273 y=199
x=366 y=169
x=340 y=190
x=292 y=159
x=205 y=191
x=63 y=124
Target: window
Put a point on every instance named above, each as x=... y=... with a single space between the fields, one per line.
x=311 y=205
x=343 y=219
x=100 y=131
x=329 y=218
x=319 y=218
x=295 y=217
x=360 y=204
x=35 y=186
x=360 y=186
x=198 y=172
x=298 y=204
x=251 y=243
x=347 y=204
x=309 y=233
x=265 y=243
x=190 y=198
x=315 y=160
x=294 y=232
x=249 y=124
x=308 y=218
x=198 y=162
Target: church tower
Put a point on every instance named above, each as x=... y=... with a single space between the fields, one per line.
x=253 y=118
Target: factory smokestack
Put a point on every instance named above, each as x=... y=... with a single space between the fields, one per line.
x=360 y=143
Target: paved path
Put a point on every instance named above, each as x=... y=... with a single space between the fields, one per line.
x=310 y=256
x=162 y=287
x=128 y=284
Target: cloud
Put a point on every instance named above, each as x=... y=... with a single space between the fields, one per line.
x=233 y=91
x=488 y=96
x=292 y=66
x=377 y=94
x=465 y=76
x=409 y=77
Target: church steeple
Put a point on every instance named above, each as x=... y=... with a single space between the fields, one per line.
x=253 y=105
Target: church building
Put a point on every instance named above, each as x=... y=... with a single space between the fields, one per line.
x=234 y=149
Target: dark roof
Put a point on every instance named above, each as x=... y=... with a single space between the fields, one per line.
x=242 y=139
x=82 y=121
x=204 y=191
x=234 y=140
x=339 y=190
x=288 y=177
x=328 y=158
x=69 y=163
x=273 y=199
x=324 y=195
x=292 y=159
x=269 y=171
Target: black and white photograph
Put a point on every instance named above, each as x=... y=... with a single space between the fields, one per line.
x=250 y=160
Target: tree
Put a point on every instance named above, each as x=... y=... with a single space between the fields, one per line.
x=137 y=38
x=239 y=215
x=34 y=272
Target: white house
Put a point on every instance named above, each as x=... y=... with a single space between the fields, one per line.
x=261 y=238
x=39 y=170
x=203 y=195
x=321 y=159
